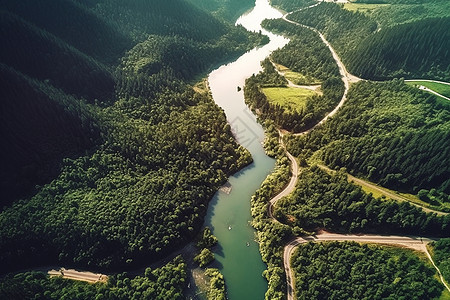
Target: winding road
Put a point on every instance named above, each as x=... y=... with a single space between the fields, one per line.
x=347 y=78
x=416 y=243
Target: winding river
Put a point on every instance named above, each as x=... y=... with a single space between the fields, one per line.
x=228 y=216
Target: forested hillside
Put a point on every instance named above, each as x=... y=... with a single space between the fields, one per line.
x=342 y=28
x=331 y=202
x=290 y=5
x=132 y=163
x=390 y=133
x=351 y=271
x=411 y=50
x=152 y=285
x=417 y=48
x=229 y=10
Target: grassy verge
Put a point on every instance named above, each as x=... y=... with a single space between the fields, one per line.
x=297 y=78
x=291 y=99
x=443 y=89
x=363 y=7
x=382 y=192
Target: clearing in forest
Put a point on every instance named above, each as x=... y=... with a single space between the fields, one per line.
x=291 y=99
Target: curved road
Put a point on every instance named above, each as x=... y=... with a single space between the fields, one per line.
x=416 y=243
x=346 y=76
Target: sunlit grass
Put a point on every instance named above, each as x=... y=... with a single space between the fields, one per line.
x=297 y=78
x=363 y=7
x=291 y=99
x=443 y=89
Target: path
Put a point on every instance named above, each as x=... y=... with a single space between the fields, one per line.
x=384 y=191
x=424 y=88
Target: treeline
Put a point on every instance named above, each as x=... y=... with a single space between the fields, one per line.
x=415 y=49
x=229 y=10
x=335 y=270
x=305 y=53
x=344 y=29
x=412 y=50
x=331 y=202
x=290 y=5
x=441 y=255
x=166 y=282
x=387 y=132
x=272 y=236
x=316 y=106
x=408 y=11
x=134 y=173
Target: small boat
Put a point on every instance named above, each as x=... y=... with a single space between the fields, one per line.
x=248 y=244
x=229 y=227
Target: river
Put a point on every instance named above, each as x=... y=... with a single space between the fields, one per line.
x=237 y=255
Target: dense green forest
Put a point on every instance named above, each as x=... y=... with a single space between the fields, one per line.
x=315 y=108
x=416 y=49
x=166 y=282
x=406 y=11
x=352 y=271
x=305 y=53
x=441 y=256
x=330 y=201
x=390 y=133
x=129 y=165
x=290 y=5
x=411 y=50
x=229 y=10
x=343 y=29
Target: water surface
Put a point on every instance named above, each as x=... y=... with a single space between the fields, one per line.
x=237 y=255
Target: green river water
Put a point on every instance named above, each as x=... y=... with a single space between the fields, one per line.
x=237 y=255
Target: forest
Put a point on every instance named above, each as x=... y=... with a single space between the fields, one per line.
x=290 y=5
x=371 y=49
x=166 y=282
x=307 y=55
x=348 y=270
x=411 y=50
x=328 y=201
x=441 y=250
x=132 y=157
x=389 y=133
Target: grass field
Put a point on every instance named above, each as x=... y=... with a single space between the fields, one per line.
x=443 y=89
x=292 y=99
x=363 y=7
x=297 y=78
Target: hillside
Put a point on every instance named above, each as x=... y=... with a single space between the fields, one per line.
x=411 y=50
x=87 y=157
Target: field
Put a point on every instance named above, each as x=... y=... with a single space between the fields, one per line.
x=443 y=89
x=295 y=77
x=292 y=99
x=363 y=7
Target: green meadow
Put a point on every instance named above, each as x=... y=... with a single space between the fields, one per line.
x=291 y=99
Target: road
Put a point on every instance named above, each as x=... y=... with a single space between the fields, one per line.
x=292 y=183
x=416 y=243
x=347 y=78
x=384 y=191
x=412 y=242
